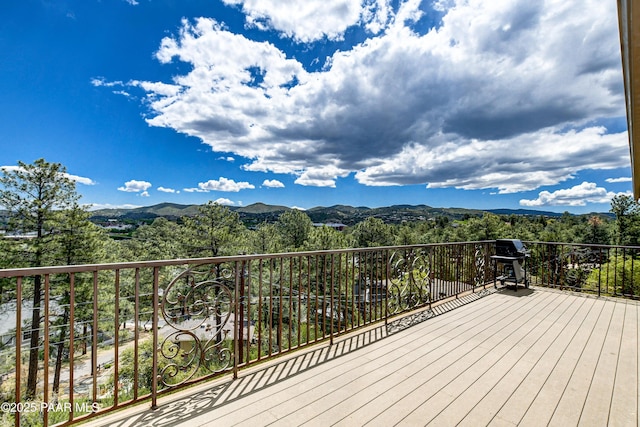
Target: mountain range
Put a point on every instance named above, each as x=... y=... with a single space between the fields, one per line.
x=348 y=215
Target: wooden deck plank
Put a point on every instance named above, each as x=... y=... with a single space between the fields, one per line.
x=543 y=406
x=569 y=407
x=457 y=408
x=511 y=358
x=429 y=382
x=351 y=368
x=598 y=401
x=624 y=407
x=544 y=356
x=504 y=380
x=394 y=367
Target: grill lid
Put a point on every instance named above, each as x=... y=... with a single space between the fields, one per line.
x=510 y=247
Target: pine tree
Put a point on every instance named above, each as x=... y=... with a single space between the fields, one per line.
x=33 y=194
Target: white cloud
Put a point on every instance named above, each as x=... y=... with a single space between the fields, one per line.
x=580 y=195
x=168 y=190
x=80 y=179
x=75 y=178
x=495 y=95
x=224 y=202
x=134 y=186
x=222 y=184
x=272 y=183
x=98 y=206
x=227 y=159
x=102 y=82
x=194 y=190
x=11 y=168
x=621 y=179
x=311 y=20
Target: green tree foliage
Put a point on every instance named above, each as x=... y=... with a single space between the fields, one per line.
x=325 y=238
x=294 y=227
x=372 y=232
x=596 y=231
x=627 y=212
x=406 y=235
x=162 y=239
x=34 y=194
x=214 y=231
x=488 y=227
x=78 y=242
x=265 y=239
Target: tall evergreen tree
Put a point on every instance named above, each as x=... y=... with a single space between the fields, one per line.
x=295 y=227
x=33 y=194
x=627 y=212
x=214 y=231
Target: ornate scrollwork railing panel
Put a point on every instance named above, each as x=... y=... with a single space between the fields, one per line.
x=480 y=263
x=409 y=280
x=198 y=307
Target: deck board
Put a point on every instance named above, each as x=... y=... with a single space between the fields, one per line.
x=531 y=357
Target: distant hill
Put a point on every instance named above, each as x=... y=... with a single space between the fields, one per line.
x=526 y=212
x=348 y=215
x=260 y=208
x=167 y=210
x=531 y=212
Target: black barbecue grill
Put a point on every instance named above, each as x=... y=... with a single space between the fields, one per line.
x=509 y=261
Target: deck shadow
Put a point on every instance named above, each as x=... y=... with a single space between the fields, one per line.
x=177 y=411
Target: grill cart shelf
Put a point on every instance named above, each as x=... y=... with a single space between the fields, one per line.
x=509 y=262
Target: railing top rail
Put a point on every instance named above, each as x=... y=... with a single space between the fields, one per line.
x=584 y=245
x=33 y=271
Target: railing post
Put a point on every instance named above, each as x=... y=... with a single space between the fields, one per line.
x=386 y=287
x=236 y=309
x=94 y=340
x=136 y=334
x=72 y=319
x=154 y=328
x=600 y=272
x=18 y=345
x=116 y=341
x=331 y=302
x=45 y=396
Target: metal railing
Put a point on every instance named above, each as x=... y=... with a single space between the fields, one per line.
x=86 y=340
x=595 y=269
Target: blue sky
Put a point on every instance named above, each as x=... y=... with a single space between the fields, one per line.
x=449 y=103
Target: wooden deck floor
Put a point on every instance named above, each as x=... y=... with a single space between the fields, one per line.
x=531 y=358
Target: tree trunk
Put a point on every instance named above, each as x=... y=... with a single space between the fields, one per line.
x=60 y=351
x=32 y=376
x=84 y=339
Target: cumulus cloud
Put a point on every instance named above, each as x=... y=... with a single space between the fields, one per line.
x=222 y=184
x=168 y=190
x=134 y=186
x=311 y=20
x=80 y=179
x=621 y=179
x=224 y=202
x=580 y=195
x=499 y=95
x=272 y=183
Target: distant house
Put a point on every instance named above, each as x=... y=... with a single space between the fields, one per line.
x=335 y=225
